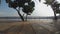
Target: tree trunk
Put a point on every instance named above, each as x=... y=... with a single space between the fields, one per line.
x=20 y=15
x=54 y=10
x=55 y=17
x=26 y=17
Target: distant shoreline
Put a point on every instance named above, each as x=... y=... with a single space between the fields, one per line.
x=29 y=17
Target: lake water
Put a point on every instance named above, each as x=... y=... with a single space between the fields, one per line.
x=47 y=20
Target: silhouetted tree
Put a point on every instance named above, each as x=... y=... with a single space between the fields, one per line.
x=28 y=9
x=27 y=5
x=55 y=6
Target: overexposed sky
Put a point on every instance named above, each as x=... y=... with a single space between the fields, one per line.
x=41 y=10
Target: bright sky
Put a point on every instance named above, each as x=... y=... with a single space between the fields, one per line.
x=40 y=10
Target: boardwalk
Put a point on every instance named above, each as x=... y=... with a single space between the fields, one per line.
x=45 y=26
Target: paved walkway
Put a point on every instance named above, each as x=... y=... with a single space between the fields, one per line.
x=29 y=27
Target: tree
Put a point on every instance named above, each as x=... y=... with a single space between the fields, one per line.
x=28 y=9
x=55 y=6
x=17 y=4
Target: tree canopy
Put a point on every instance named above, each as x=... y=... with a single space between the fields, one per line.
x=27 y=5
x=49 y=2
x=55 y=5
x=21 y=3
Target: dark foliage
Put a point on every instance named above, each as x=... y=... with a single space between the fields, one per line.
x=27 y=9
x=55 y=6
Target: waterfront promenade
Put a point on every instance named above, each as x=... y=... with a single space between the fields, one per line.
x=32 y=26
